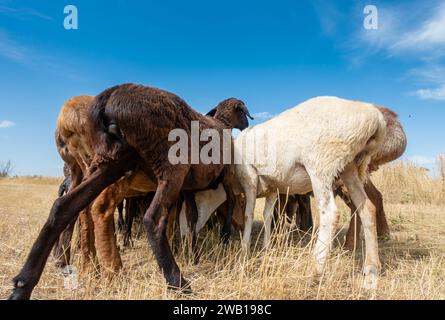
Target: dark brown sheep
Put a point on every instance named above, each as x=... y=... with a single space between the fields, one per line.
x=128 y=126
x=74 y=146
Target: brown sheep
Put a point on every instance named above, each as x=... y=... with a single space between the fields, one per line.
x=393 y=147
x=72 y=141
x=128 y=126
x=75 y=151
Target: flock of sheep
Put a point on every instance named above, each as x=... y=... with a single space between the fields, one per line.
x=115 y=146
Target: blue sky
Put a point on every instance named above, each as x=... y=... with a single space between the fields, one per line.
x=271 y=54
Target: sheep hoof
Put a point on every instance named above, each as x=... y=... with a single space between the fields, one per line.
x=370 y=282
x=184 y=287
x=20 y=292
x=315 y=279
x=17 y=295
x=245 y=247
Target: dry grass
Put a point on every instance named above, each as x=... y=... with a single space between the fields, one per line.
x=403 y=182
x=413 y=260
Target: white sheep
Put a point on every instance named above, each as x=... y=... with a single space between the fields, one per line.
x=315 y=143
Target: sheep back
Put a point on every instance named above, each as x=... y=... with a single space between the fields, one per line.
x=323 y=134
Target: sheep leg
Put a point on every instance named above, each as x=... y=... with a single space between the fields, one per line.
x=102 y=211
x=278 y=209
x=305 y=212
x=268 y=214
x=238 y=213
x=355 y=224
x=194 y=232
x=86 y=231
x=172 y=218
x=131 y=208
x=64 y=211
x=155 y=222
x=62 y=248
x=192 y=216
x=250 y=208
x=120 y=217
x=292 y=209
x=328 y=219
x=377 y=200
x=367 y=213
x=230 y=204
x=353 y=234
x=64 y=187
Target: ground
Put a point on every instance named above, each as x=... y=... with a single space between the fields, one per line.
x=413 y=264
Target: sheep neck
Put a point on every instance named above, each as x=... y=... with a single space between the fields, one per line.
x=221 y=117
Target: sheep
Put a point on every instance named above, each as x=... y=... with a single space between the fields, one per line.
x=75 y=151
x=318 y=142
x=103 y=208
x=128 y=127
x=72 y=142
x=393 y=147
x=74 y=148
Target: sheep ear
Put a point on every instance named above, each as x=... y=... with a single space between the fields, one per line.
x=244 y=109
x=211 y=113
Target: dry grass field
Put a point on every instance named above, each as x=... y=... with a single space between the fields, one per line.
x=413 y=259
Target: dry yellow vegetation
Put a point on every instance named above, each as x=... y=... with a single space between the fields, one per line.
x=413 y=264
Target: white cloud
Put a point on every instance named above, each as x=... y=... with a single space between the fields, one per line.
x=404 y=30
x=6 y=124
x=434 y=73
x=415 y=32
x=381 y=38
x=262 y=116
x=430 y=35
x=433 y=82
x=431 y=94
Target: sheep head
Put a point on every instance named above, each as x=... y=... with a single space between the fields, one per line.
x=232 y=112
